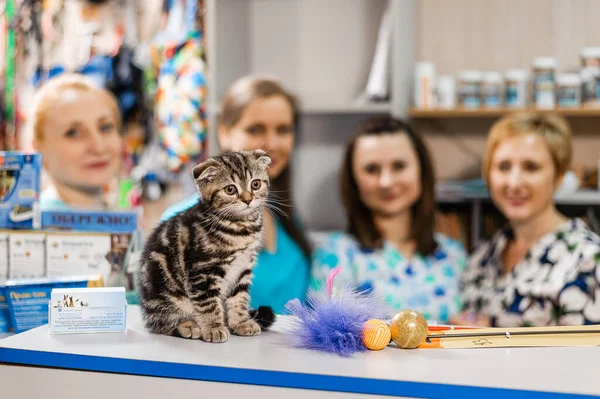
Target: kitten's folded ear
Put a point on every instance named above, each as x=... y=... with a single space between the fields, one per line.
x=262 y=158
x=206 y=170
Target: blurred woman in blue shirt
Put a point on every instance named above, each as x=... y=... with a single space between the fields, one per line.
x=261 y=113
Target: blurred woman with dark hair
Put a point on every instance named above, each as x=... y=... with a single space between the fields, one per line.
x=390 y=245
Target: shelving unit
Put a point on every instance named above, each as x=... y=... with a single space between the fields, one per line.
x=322 y=51
x=418 y=113
x=582 y=197
x=589 y=200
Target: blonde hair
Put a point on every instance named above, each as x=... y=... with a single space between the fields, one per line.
x=51 y=91
x=554 y=129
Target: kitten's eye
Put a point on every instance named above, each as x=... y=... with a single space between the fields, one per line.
x=231 y=189
x=255 y=184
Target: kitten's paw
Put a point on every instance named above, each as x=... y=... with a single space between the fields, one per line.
x=189 y=329
x=249 y=327
x=216 y=334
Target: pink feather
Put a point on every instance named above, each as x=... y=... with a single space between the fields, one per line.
x=330 y=278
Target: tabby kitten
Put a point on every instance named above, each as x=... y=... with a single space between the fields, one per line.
x=196 y=267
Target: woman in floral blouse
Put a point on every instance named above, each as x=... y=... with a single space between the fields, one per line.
x=390 y=247
x=543 y=269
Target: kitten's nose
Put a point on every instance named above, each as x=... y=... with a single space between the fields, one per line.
x=246 y=197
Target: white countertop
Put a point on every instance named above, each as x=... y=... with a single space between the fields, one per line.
x=266 y=360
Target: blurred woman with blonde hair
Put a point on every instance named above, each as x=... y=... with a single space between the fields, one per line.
x=543 y=268
x=76 y=125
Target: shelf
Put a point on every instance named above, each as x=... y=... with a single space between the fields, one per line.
x=359 y=108
x=417 y=113
x=324 y=109
x=582 y=197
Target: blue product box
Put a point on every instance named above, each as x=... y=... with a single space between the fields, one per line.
x=87 y=310
x=94 y=221
x=4 y=313
x=20 y=184
x=28 y=299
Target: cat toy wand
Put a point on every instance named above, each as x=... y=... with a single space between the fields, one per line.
x=495 y=337
x=351 y=322
x=409 y=330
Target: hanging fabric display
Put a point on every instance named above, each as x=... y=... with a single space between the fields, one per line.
x=3 y=36
x=180 y=103
x=10 y=115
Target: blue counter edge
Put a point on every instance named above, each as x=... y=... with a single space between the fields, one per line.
x=281 y=379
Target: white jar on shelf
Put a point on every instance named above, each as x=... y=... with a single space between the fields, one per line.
x=568 y=91
x=492 y=89
x=470 y=88
x=424 y=85
x=590 y=57
x=544 y=82
x=446 y=92
x=515 y=88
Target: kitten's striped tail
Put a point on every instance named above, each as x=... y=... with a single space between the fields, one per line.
x=264 y=316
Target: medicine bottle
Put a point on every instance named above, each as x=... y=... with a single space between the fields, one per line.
x=515 y=88
x=544 y=82
x=568 y=90
x=469 y=90
x=492 y=89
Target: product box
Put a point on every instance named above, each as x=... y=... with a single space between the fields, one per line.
x=125 y=238
x=87 y=310
x=69 y=254
x=27 y=254
x=4 y=235
x=4 y=313
x=93 y=221
x=80 y=253
x=28 y=299
x=20 y=182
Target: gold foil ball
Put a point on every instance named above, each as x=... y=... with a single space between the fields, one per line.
x=408 y=329
x=375 y=334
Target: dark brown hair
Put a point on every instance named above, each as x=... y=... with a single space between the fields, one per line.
x=359 y=217
x=239 y=96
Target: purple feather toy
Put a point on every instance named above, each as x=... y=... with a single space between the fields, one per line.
x=332 y=323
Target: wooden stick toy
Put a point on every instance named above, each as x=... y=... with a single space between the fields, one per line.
x=514 y=337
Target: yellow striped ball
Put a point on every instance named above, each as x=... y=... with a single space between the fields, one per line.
x=376 y=334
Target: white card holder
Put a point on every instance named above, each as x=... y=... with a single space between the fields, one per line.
x=87 y=310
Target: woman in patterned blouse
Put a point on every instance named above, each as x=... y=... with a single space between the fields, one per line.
x=543 y=269
x=390 y=247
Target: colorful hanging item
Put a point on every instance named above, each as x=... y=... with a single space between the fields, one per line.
x=9 y=78
x=180 y=103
